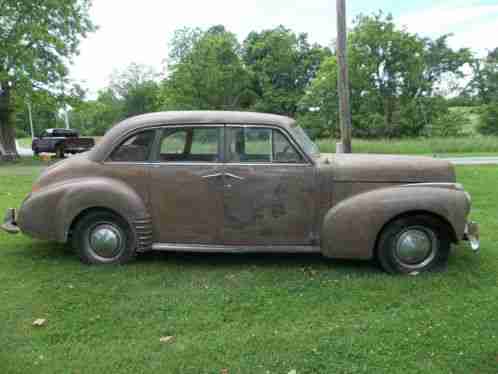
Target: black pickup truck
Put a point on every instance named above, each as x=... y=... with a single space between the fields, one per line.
x=60 y=142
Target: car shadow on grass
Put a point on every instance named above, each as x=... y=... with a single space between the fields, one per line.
x=260 y=260
x=57 y=253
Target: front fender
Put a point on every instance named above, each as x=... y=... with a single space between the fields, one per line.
x=350 y=229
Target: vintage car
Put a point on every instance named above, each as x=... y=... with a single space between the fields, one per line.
x=244 y=182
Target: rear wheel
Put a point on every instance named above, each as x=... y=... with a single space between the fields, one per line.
x=103 y=237
x=414 y=244
x=59 y=151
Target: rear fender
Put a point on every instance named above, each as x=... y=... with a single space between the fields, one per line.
x=350 y=229
x=83 y=194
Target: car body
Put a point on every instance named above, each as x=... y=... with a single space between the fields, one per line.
x=60 y=142
x=209 y=181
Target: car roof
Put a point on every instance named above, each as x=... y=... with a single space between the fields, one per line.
x=145 y=121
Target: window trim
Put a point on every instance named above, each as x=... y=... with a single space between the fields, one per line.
x=305 y=159
x=154 y=157
x=124 y=139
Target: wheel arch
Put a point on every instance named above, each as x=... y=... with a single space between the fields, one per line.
x=351 y=228
x=90 y=210
x=91 y=194
x=419 y=212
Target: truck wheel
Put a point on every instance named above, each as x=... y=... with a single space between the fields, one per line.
x=103 y=237
x=412 y=245
x=36 y=151
x=59 y=151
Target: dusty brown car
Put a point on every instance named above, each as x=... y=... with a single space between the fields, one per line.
x=244 y=182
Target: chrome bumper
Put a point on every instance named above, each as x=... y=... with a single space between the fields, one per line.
x=9 y=222
x=472 y=235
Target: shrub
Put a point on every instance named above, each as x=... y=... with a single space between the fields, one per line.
x=488 y=120
x=449 y=124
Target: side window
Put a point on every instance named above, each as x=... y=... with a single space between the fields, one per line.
x=134 y=149
x=256 y=144
x=174 y=142
x=249 y=144
x=190 y=144
x=283 y=151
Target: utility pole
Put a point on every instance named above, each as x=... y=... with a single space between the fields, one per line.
x=66 y=118
x=28 y=103
x=343 y=80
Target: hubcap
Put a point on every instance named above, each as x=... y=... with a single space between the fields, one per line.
x=416 y=247
x=105 y=240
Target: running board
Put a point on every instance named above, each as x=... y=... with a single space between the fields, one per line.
x=208 y=248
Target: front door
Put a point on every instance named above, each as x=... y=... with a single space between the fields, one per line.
x=269 y=189
x=187 y=185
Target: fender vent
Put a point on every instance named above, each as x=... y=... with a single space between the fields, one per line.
x=143 y=230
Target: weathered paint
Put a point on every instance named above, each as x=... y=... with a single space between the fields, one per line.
x=340 y=203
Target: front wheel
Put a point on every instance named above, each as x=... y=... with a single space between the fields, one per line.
x=103 y=237
x=414 y=244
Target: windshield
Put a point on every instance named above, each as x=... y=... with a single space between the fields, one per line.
x=305 y=142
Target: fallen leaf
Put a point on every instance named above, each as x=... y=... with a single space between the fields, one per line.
x=39 y=322
x=293 y=371
x=224 y=371
x=167 y=339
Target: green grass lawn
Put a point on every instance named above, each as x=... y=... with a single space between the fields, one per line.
x=472 y=145
x=246 y=313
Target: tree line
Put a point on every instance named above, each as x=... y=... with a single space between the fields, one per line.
x=402 y=84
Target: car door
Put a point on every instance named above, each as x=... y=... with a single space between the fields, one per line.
x=269 y=188
x=186 y=184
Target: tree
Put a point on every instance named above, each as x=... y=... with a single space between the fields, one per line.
x=282 y=64
x=37 y=40
x=132 y=91
x=137 y=88
x=395 y=77
x=484 y=84
x=206 y=72
x=95 y=117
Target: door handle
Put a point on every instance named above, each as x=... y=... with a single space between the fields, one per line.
x=212 y=176
x=234 y=176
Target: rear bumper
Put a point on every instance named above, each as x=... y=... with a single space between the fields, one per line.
x=9 y=222
x=472 y=235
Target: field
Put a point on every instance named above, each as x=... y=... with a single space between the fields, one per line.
x=461 y=146
x=246 y=314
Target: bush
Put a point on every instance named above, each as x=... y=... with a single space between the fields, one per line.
x=449 y=124
x=488 y=120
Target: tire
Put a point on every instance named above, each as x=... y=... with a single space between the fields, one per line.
x=59 y=151
x=36 y=151
x=117 y=240
x=414 y=244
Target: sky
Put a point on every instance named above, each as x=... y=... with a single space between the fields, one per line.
x=139 y=31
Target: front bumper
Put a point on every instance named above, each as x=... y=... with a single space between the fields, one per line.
x=472 y=235
x=9 y=222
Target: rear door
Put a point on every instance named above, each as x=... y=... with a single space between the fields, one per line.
x=269 y=188
x=186 y=184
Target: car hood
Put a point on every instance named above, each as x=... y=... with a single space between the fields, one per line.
x=388 y=169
